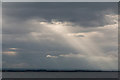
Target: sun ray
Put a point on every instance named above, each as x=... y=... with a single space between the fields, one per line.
x=79 y=44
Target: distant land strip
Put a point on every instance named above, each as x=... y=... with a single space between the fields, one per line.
x=56 y=71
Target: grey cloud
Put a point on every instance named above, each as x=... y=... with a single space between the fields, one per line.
x=17 y=28
x=85 y=14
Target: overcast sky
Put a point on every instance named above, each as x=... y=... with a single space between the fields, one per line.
x=60 y=36
x=60 y=1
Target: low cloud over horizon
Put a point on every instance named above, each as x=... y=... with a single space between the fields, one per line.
x=68 y=36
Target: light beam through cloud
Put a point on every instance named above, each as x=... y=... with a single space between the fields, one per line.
x=79 y=44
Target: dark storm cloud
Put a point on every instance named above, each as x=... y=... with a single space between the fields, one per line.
x=85 y=14
x=22 y=30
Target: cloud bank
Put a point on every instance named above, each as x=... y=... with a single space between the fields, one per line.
x=60 y=36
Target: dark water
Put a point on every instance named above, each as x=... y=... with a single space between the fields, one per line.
x=60 y=75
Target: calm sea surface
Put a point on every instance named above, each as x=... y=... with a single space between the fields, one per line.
x=60 y=74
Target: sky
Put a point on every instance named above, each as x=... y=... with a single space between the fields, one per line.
x=60 y=1
x=60 y=36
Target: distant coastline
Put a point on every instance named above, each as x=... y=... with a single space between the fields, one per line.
x=28 y=70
